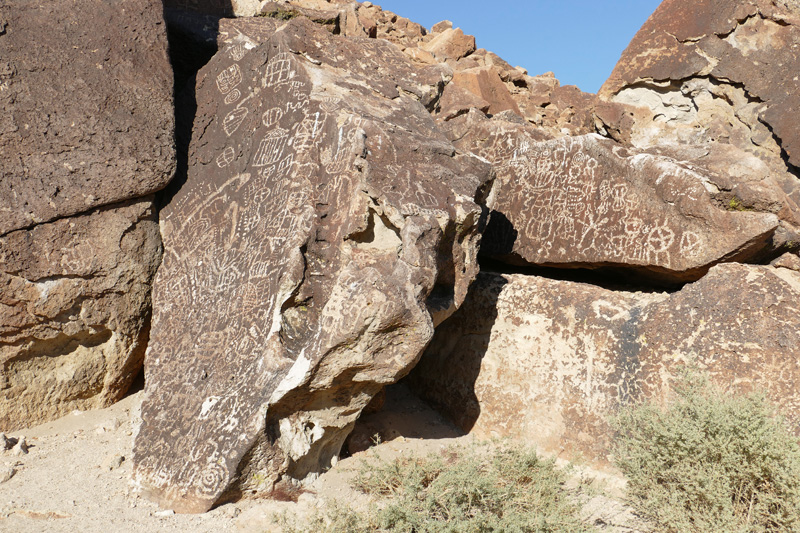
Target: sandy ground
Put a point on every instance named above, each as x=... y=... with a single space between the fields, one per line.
x=76 y=476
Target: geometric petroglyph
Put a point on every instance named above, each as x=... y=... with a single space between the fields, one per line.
x=272 y=116
x=229 y=78
x=279 y=70
x=261 y=272
x=233 y=120
x=271 y=148
x=225 y=158
x=585 y=200
x=232 y=96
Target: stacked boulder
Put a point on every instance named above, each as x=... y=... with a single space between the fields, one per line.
x=340 y=170
x=690 y=176
x=85 y=141
x=325 y=227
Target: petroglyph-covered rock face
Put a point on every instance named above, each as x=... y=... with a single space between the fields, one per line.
x=587 y=201
x=713 y=83
x=549 y=361
x=74 y=311
x=104 y=132
x=324 y=228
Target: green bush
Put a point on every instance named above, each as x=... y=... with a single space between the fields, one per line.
x=501 y=488
x=710 y=462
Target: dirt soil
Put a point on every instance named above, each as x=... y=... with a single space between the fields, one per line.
x=76 y=476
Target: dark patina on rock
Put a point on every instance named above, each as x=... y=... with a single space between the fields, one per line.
x=712 y=83
x=325 y=227
x=86 y=116
x=588 y=202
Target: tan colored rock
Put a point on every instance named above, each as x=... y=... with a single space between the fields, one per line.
x=442 y=26
x=787 y=260
x=485 y=83
x=420 y=55
x=549 y=361
x=450 y=44
x=74 y=311
x=325 y=227
x=456 y=101
x=588 y=202
x=105 y=132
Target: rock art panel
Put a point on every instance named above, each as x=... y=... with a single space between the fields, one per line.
x=713 y=83
x=325 y=227
x=105 y=133
x=548 y=361
x=588 y=202
x=75 y=311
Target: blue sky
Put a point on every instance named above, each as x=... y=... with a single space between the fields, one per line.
x=579 y=40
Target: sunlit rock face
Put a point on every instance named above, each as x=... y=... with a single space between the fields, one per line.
x=325 y=227
x=712 y=83
x=550 y=361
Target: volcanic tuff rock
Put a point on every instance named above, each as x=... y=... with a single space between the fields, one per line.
x=588 y=202
x=713 y=83
x=548 y=361
x=75 y=305
x=103 y=132
x=325 y=227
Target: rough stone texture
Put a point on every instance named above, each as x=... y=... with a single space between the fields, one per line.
x=718 y=77
x=588 y=202
x=485 y=83
x=787 y=260
x=74 y=311
x=450 y=44
x=325 y=227
x=548 y=361
x=104 y=132
x=456 y=101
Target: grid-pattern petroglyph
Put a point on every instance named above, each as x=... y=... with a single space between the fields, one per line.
x=284 y=183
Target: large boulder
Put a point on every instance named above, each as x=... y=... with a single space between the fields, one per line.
x=86 y=116
x=325 y=227
x=712 y=83
x=588 y=202
x=550 y=361
x=75 y=311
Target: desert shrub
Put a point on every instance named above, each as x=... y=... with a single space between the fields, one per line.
x=710 y=461
x=499 y=488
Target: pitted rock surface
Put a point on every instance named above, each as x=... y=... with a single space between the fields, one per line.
x=324 y=228
x=713 y=83
x=549 y=361
x=75 y=311
x=588 y=202
x=104 y=132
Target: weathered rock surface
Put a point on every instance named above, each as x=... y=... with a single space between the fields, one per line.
x=75 y=306
x=588 y=202
x=712 y=83
x=548 y=361
x=325 y=227
x=104 y=132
